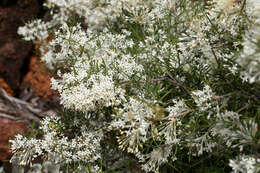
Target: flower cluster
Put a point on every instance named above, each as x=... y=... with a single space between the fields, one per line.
x=245 y=164
x=56 y=147
x=249 y=58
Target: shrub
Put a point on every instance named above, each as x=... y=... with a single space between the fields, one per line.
x=152 y=86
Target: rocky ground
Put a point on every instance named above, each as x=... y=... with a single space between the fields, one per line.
x=26 y=96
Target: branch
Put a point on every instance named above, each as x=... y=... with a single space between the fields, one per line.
x=16 y=108
x=173 y=81
x=173 y=116
x=243 y=6
x=143 y=81
x=243 y=108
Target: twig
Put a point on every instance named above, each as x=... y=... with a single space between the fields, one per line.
x=8 y=116
x=172 y=80
x=249 y=94
x=10 y=113
x=143 y=81
x=174 y=116
x=243 y=108
x=243 y=6
x=19 y=108
x=157 y=80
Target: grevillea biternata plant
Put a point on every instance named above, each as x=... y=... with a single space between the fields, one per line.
x=149 y=86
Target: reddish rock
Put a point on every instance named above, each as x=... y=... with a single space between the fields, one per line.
x=8 y=129
x=39 y=79
x=5 y=86
x=14 y=51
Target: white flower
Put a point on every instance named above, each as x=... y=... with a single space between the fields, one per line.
x=244 y=164
x=203 y=98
